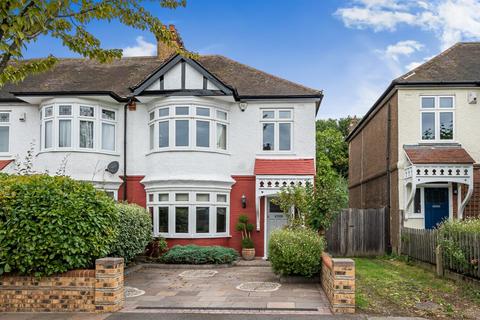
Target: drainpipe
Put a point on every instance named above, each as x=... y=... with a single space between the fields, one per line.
x=125 y=107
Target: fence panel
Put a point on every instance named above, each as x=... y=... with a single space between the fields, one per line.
x=421 y=245
x=357 y=232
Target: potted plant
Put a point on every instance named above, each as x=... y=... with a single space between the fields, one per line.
x=245 y=228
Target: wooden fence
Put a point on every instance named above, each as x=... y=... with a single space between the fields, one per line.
x=358 y=232
x=458 y=252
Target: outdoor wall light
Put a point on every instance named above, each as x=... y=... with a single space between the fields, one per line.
x=244 y=201
x=243 y=106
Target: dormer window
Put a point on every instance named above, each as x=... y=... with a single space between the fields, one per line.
x=437 y=118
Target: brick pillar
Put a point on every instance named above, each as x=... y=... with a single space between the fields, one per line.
x=109 y=291
x=338 y=282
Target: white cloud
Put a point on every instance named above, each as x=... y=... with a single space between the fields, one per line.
x=402 y=48
x=143 y=48
x=450 y=20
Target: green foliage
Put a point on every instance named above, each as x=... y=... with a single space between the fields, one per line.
x=450 y=236
x=245 y=229
x=135 y=231
x=331 y=144
x=53 y=224
x=296 y=198
x=23 y=21
x=193 y=254
x=247 y=243
x=326 y=199
x=295 y=251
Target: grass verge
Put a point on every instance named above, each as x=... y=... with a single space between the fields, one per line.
x=391 y=286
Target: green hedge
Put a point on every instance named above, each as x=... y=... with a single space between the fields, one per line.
x=135 y=231
x=53 y=224
x=193 y=254
x=296 y=251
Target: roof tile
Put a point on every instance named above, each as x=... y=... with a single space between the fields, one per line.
x=284 y=167
x=438 y=154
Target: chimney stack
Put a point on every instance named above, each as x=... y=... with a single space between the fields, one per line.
x=164 y=51
x=353 y=123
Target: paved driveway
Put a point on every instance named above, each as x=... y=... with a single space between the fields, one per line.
x=184 y=290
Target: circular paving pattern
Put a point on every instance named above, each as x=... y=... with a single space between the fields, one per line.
x=198 y=273
x=131 y=292
x=259 y=286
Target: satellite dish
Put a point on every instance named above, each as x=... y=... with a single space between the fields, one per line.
x=113 y=167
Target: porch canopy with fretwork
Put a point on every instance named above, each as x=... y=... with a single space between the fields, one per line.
x=436 y=164
x=271 y=175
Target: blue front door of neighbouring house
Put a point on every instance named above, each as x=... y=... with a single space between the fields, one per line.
x=436 y=206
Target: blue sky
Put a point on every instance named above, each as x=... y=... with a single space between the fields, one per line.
x=350 y=49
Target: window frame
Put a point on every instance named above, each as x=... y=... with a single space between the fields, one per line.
x=192 y=204
x=437 y=110
x=276 y=121
x=98 y=121
x=216 y=115
x=8 y=125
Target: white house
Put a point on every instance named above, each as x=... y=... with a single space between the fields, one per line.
x=196 y=141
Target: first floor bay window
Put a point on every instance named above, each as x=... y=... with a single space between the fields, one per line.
x=189 y=214
x=188 y=127
x=78 y=127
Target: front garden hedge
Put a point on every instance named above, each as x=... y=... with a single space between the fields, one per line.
x=296 y=251
x=193 y=254
x=135 y=231
x=53 y=224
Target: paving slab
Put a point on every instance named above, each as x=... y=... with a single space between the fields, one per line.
x=167 y=289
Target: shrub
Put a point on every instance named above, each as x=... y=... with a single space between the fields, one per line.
x=452 y=235
x=53 y=224
x=156 y=247
x=193 y=254
x=135 y=231
x=296 y=251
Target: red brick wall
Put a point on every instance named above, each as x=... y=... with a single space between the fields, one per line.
x=473 y=207
x=243 y=185
x=135 y=191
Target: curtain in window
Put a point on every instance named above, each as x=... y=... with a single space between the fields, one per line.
x=48 y=134
x=65 y=133
x=4 y=137
x=86 y=134
x=108 y=136
x=221 y=136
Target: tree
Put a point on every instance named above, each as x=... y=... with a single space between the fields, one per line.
x=23 y=21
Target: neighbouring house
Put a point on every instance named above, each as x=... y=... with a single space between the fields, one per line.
x=196 y=141
x=417 y=149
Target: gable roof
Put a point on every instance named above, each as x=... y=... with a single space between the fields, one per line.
x=83 y=76
x=438 y=154
x=459 y=65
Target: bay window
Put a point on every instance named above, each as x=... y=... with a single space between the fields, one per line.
x=4 y=131
x=437 y=118
x=277 y=130
x=189 y=214
x=74 y=126
x=188 y=127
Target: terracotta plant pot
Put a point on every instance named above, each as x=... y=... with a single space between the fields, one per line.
x=248 y=254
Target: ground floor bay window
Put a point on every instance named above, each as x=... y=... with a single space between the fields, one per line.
x=189 y=214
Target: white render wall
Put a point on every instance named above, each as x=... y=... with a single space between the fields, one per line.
x=466 y=128
x=244 y=140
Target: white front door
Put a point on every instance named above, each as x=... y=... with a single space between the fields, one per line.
x=275 y=219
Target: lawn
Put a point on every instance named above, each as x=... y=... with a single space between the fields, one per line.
x=391 y=286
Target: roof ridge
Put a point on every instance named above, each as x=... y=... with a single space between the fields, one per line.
x=430 y=61
x=266 y=73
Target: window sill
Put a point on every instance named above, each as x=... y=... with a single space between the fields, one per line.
x=79 y=151
x=6 y=155
x=276 y=153
x=178 y=236
x=188 y=150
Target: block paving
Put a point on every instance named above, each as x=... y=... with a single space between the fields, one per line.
x=166 y=291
